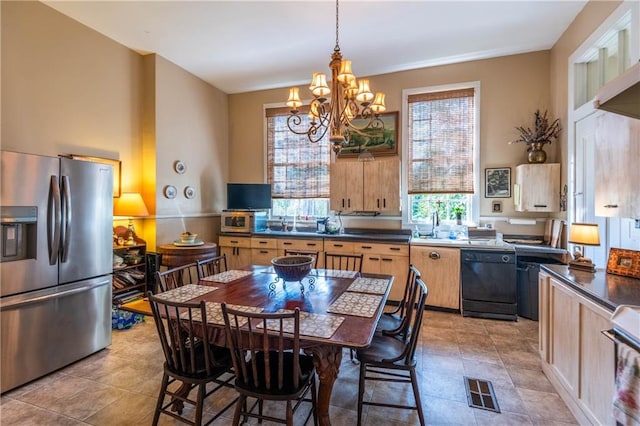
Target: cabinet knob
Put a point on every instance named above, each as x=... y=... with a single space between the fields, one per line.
x=434 y=255
x=610 y=206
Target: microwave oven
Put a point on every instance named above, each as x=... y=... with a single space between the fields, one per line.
x=245 y=221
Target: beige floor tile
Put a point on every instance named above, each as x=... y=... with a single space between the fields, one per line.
x=119 y=385
x=546 y=408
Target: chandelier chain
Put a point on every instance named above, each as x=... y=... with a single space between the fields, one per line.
x=337 y=48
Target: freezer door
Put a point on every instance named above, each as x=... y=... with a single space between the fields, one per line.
x=48 y=329
x=26 y=181
x=87 y=220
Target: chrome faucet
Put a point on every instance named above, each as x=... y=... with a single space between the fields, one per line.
x=435 y=222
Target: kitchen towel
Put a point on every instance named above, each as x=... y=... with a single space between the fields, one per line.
x=626 y=399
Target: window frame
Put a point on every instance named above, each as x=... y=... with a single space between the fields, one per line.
x=474 y=214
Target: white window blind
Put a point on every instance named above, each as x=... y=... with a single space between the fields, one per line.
x=296 y=168
x=441 y=133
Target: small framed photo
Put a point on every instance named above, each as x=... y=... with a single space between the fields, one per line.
x=624 y=262
x=496 y=206
x=497 y=182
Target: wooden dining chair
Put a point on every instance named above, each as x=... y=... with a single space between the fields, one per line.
x=177 y=277
x=343 y=261
x=268 y=364
x=314 y=254
x=397 y=321
x=390 y=359
x=212 y=266
x=189 y=358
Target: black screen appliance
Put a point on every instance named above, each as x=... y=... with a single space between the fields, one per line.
x=248 y=196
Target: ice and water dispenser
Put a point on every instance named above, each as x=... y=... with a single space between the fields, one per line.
x=19 y=224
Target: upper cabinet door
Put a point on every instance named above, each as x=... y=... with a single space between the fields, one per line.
x=537 y=188
x=346 y=186
x=382 y=185
x=617 y=150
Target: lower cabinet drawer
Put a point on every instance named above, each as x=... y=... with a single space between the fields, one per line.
x=260 y=256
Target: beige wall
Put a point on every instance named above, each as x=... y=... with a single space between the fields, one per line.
x=512 y=88
x=68 y=89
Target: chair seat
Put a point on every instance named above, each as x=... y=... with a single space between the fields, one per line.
x=383 y=348
x=223 y=364
x=288 y=389
x=388 y=322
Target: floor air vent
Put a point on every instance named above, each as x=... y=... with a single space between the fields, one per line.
x=480 y=394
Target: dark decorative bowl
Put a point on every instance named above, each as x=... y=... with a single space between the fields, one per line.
x=292 y=268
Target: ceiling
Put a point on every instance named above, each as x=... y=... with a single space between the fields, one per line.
x=242 y=46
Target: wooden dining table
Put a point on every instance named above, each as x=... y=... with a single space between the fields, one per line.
x=345 y=308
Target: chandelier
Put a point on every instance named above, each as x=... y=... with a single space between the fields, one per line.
x=335 y=108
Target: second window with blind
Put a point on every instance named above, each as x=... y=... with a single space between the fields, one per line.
x=441 y=152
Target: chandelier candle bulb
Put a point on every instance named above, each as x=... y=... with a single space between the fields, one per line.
x=378 y=103
x=294 y=99
x=364 y=93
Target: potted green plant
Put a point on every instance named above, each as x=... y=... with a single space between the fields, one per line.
x=542 y=133
x=458 y=210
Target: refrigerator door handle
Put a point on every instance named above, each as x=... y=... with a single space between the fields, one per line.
x=52 y=296
x=66 y=218
x=53 y=220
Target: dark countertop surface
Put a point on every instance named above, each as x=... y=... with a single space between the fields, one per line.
x=608 y=290
x=370 y=235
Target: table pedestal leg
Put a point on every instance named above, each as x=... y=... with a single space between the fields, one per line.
x=327 y=361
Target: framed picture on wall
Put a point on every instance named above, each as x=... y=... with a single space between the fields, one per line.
x=376 y=142
x=497 y=182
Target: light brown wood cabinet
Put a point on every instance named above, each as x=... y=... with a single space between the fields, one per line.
x=237 y=249
x=617 y=150
x=537 y=188
x=347 y=186
x=382 y=185
x=304 y=245
x=263 y=250
x=365 y=186
x=576 y=357
x=440 y=270
x=390 y=259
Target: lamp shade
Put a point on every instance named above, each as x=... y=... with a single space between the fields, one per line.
x=585 y=234
x=130 y=204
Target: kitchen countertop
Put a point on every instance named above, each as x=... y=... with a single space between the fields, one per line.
x=607 y=290
x=371 y=235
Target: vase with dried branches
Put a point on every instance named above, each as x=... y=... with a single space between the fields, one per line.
x=542 y=133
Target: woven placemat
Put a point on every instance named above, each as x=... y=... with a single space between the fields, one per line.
x=227 y=276
x=214 y=312
x=316 y=325
x=369 y=285
x=356 y=304
x=186 y=292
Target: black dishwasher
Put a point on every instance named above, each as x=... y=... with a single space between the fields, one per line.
x=488 y=281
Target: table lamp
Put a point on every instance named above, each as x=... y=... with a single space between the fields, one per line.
x=130 y=204
x=585 y=234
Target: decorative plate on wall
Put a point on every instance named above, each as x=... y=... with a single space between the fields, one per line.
x=179 y=167
x=189 y=192
x=170 y=191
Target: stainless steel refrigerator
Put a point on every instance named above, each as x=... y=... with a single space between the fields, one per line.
x=56 y=261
